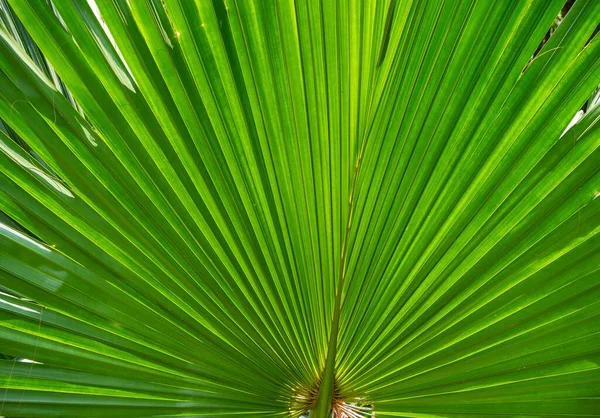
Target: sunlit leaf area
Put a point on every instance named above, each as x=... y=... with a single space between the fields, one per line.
x=300 y=208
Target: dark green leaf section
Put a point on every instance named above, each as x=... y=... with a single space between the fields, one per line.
x=235 y=208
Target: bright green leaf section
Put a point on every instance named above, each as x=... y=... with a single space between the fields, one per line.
x=261 y=208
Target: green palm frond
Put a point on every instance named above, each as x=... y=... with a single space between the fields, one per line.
x=275 y=208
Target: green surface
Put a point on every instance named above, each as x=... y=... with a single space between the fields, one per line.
x=238 y=207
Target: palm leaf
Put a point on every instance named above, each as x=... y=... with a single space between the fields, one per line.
x=265 y=208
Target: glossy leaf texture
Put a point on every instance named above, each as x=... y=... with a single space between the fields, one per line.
x=205 y=200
